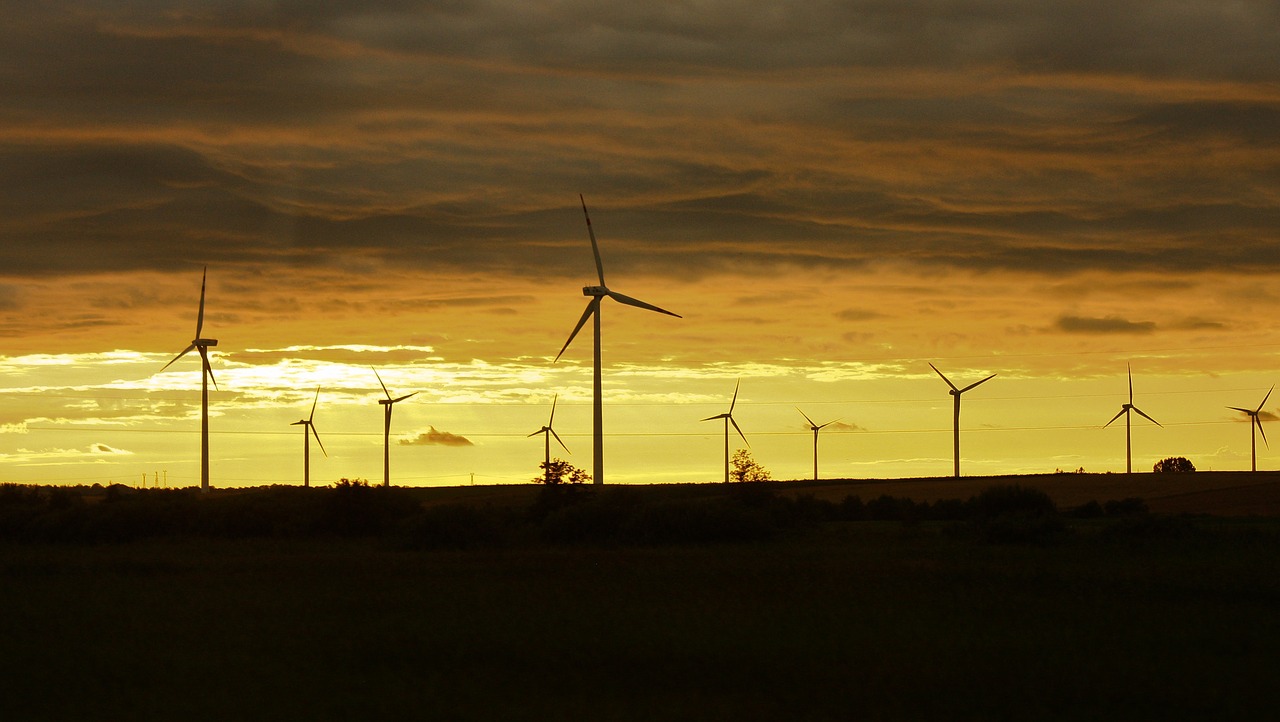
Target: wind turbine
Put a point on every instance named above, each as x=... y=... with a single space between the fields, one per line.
x=548 y=432
x=306 y=440
x=728 y=419
x=955 y=425
x=1254 y=420
x=206 y=375
x=598 y=293
x=1128 y=427
x=387 y=403
x=816 y=428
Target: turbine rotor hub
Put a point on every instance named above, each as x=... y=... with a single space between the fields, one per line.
x=596 y=291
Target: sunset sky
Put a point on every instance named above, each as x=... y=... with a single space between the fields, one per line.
x=832 y=195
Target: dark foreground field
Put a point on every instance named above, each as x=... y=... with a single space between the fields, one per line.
x=1138 y=617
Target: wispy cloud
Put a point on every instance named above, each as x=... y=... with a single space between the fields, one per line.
x=435 y=437
x=1107 y=325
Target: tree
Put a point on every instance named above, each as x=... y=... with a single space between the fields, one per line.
x=744 y=468
x=1172 y=465
x=561 y=472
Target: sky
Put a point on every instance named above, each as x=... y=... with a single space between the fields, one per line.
x=832 y=196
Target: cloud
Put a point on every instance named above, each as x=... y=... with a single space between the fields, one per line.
x=858 y=314
x=435 y=437
x=845 y=426
x=1108 y=325
x=100 y=448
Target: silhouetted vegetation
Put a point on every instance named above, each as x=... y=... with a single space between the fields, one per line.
x=1173 y=465
x=559 y=471
x=567 y=513
x=744 y=467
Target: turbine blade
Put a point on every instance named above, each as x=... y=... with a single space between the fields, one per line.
x=717 y=416
x=551 y=420
x=1113 y=418
x=620 y=298
x=402 y=398
x=558 y=441
x=1258 y=421
x=185 y=351
x=806 y=418
x=1264 y=398
x=318 y=441
x=304 y=422
x=204 y=361
x=1130 y=367
x=595 y=247
x=977 y=383
x=944 y=378
x=313 y=405
x=735 y=428
x=200 y=315
x=1148 y=418
x=735 y=395
x=591 y=307
x=384 y=386
x=543 y=430
x=828 y=423
x=1250 y=412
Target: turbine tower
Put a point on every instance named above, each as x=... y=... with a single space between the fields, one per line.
x=306 y=440
x=387 y=403
x=549 y=432
x=728 y=419
x=1128 y=426
x=816 y=428
x=1254 y=420
x=597 y=294
x=206 y=375
x=955 y=424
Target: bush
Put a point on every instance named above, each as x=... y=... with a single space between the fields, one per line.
x=1131 y=506
x=1173 y=465
x=745 y=468
x=1015 y=515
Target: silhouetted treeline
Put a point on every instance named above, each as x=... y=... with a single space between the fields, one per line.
x=566 y=514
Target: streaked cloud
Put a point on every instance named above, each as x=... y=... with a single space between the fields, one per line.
x=1107 y=325
x=435 y=437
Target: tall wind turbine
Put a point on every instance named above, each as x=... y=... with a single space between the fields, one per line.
x=206 y=375
x=306 y=440
x=955 y=424
x=387 y=403
x=598 y=293
x=728 y=419
x=549 y=432
x=1128 y=427
x=1254 y=420
x=816 y=428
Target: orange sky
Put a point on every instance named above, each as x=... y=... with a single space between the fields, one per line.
x=831 y=197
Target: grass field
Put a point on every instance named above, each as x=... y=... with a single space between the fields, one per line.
x=1220 y=493
x=865 y=620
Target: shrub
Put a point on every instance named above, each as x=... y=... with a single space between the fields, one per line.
x=745 y=468
x=1015 y=515
x=1173 y=465
x=1126 y=507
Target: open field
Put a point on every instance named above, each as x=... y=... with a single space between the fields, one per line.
x=1136 y=617
x=1219 y=493
x=862 y=621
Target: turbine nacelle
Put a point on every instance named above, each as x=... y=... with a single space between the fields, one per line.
x=206 y=342
x=596 y=291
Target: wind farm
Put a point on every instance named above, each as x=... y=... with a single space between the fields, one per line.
x=592 y=312
x=1126 y=410
x=309 y=430
x=728 y=419
x=201 y=345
